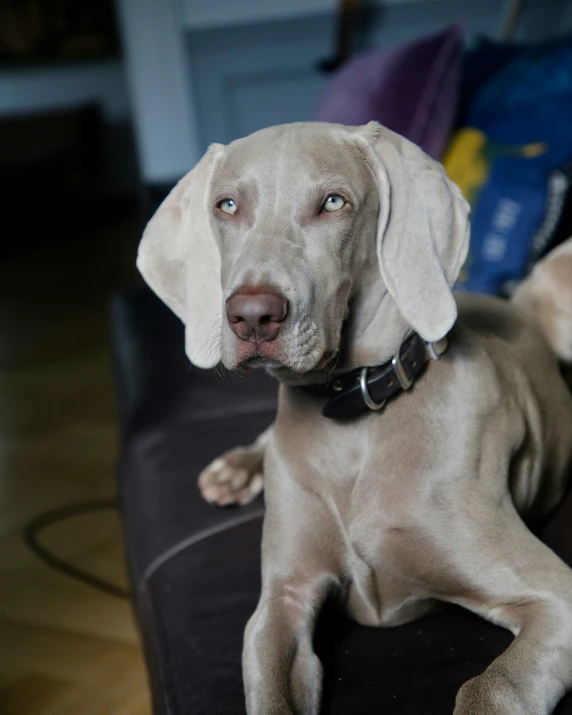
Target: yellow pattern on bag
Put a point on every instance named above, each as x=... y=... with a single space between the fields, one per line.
x=466 y=162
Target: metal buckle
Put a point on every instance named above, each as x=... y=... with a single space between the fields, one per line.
x=435 y=350
x=404 y=381
x=375 y=406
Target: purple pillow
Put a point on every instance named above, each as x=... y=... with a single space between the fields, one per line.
x=411 y=88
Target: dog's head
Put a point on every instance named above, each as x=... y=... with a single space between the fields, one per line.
x=302 y=240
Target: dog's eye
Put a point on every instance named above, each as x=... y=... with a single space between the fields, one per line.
x=334 y=202
x=228 y=206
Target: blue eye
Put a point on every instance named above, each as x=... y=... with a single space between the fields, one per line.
x=334 y=202
x=228 y=206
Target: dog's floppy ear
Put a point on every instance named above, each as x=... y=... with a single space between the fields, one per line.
x=179 y=259
x=423 y=230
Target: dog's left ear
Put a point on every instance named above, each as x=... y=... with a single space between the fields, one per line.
x=423 y=230
x=179 y=259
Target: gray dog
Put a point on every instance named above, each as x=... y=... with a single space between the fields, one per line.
x=326 y=254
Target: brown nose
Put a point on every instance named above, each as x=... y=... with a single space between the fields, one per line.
x=254 y=315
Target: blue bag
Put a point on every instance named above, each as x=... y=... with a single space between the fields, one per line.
x=524 y=114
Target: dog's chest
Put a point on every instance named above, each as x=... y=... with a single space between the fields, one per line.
x=381 y=534
x=376 y=599
x=374 y=500
x=380 y=592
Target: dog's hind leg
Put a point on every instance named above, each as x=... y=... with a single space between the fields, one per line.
x=546 y=294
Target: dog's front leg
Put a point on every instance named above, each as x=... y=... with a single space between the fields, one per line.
x=236 y=476
x=300 y=564
x=512 y=579
x=282 y=674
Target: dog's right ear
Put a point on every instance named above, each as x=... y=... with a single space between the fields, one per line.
x=423 y=230
x=179 y=259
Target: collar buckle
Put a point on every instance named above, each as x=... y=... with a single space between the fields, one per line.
x=404 y=381
x=435 y=350
x=367 y=398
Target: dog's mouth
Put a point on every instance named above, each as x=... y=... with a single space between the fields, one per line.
x=283 y=370
x=259 y=361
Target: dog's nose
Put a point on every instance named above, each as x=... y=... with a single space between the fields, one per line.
x=254 y=315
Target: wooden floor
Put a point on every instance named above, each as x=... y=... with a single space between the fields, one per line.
x=65 y=648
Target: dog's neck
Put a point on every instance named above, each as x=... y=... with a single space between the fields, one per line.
x=375 y=328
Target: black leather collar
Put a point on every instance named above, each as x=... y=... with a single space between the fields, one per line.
x=368 y=388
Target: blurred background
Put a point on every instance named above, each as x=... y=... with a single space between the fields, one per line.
x=103 y=107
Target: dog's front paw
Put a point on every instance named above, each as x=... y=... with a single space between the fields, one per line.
x=489 y=694
x=234 y=478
